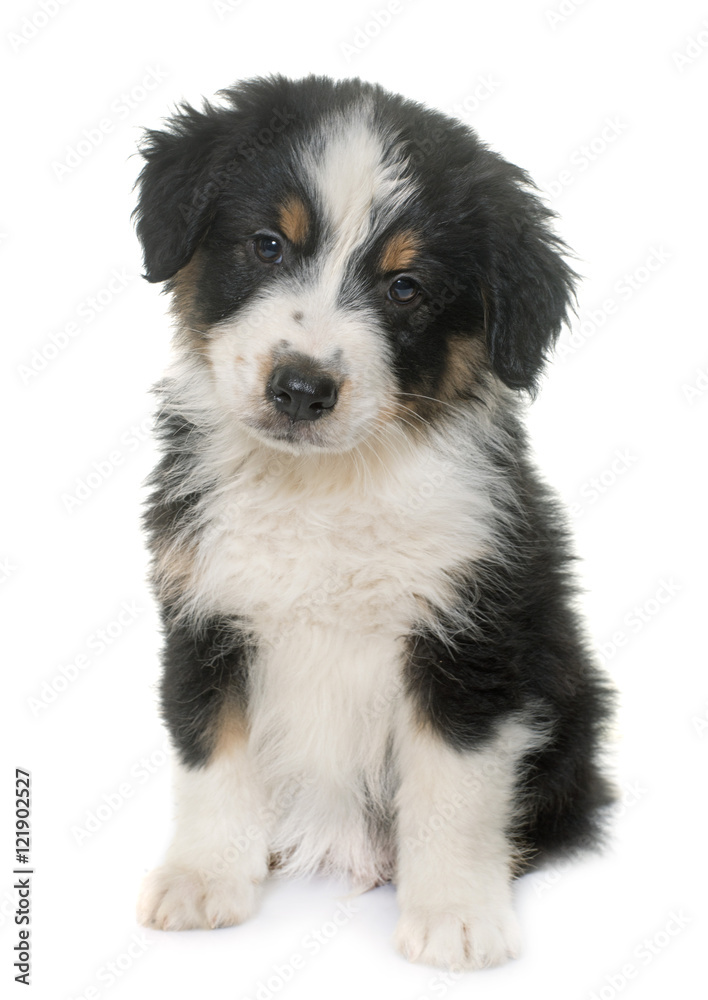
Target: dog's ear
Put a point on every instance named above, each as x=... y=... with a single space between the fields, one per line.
x=179 y=186
x=527 y=286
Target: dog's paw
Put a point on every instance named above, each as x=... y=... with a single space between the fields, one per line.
x=177 y=899
x=455 y=939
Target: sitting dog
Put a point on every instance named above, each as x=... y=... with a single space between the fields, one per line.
x=372 y=661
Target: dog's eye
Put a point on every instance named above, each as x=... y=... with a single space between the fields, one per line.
x=404 y=290
x=268 y=249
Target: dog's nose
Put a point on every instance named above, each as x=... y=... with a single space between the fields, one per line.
x=301 y=392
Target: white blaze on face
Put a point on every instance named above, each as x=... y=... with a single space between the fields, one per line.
x=356 y=186
x=357 y=181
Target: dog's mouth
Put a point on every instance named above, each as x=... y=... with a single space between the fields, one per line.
x=290 y=435
x=299 y=409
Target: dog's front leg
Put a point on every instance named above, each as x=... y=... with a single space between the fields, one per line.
x=455 y=859
x=219 y=852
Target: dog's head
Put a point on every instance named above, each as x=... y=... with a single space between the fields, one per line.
x=341 y=257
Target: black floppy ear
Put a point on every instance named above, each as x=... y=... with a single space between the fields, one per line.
x=179 y=185
x=528 y=287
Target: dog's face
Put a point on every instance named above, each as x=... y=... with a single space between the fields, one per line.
x=341 y=258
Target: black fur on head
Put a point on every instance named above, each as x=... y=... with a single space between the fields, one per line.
x=177 y=200
x=199 y=157
x=527 y=285
x=517 y=286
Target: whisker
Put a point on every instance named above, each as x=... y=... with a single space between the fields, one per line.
x=404 y=420
x=433 y=399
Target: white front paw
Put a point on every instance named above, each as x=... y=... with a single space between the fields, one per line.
x=458 y=938
x=175 y=899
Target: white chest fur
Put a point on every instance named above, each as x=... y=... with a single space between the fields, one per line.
x=331 y=566
x=358 y=543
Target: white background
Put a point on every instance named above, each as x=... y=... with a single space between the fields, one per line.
x=625 y=404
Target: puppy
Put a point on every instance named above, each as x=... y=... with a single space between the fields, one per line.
x=372 y=662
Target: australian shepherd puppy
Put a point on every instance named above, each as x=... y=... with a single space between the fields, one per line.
x=372 y=661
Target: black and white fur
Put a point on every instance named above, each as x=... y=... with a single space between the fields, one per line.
x=372 y=661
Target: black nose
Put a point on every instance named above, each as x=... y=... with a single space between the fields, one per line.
x=303 y=393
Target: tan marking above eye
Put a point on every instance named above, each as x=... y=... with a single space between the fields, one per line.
x=294 y=219
x=400 y=250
